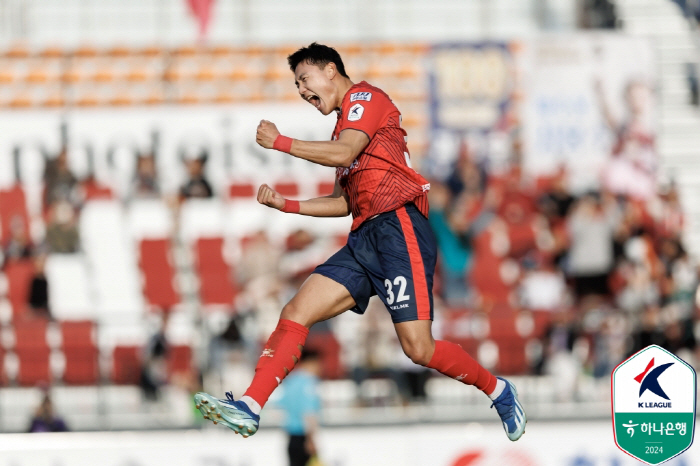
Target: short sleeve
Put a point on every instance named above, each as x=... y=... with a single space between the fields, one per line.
x=366 y=112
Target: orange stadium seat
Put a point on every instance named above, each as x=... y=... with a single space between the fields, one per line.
x=158 y=273
x=33 y=352
x=126 y=365
x=215 y=285
x=52 y=51
x=80 y=352
x=18 y=50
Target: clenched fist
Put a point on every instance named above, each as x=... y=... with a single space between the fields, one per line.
x=266 y=134
x=269 y=197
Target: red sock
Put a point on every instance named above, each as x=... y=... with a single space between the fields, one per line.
x=451 y=360
x=281 y=353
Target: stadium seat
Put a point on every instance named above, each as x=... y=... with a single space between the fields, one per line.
x=126 y=365
x=179 y=360
x=287 y=188
x=158 y=272
x=80 y=353
x=149 y=218
x=112 y=260
x=13 y=204
x=19 y=277
x=215 y=284
x=242 y=190
x=69 y=285
x=3 y=375
x=201 y=218
x=33 y=352
x=325 y=188
x=512 y=360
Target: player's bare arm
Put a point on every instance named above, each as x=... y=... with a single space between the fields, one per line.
x=340 y=153
x=333 y=205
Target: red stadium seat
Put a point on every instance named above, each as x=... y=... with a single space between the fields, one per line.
x=33 y=366
x=3 y=376
x=179 y=360
x=19 y=276
x=215 y=286
x=93 y=190
x=33 y=353
x=80 y=353
x=12 y=204
x=158 y=273
x=328 y=348
x=511 y=360
x=486 y=272
x=126 y=365
x=287 y=189
x=241 y=190
x=325 y=188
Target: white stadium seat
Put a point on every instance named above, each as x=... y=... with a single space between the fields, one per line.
x=69 y=287
x=201 y=218
x=112 y=260
x=149 y=219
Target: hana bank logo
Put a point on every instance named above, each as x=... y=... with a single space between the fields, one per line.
x=649 y=380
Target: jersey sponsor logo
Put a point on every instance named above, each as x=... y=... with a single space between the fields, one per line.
x=426 y=187
x=346 y=171
x=360 y=96
x=356 y=112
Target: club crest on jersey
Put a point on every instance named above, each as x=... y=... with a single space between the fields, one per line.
x=356 y=112
x=360 y=96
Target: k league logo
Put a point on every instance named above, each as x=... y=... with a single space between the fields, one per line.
x=653 y=405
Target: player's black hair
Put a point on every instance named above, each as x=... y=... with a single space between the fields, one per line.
x=319 y=55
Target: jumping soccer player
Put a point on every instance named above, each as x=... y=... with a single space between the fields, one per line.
x=391 y=251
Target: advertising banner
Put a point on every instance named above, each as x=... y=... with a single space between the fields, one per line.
x=583 y=102
x=588 y=105
x=578 y=443
x=106 y=141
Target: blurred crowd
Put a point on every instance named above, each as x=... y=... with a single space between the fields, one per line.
x=608 y=268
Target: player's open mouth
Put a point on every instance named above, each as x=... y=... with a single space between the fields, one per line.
x=314 y=100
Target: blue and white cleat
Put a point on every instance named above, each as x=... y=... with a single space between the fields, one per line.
x=511 y=412
x=233 y=414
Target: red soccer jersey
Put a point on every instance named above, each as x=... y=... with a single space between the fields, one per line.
x=381 y=178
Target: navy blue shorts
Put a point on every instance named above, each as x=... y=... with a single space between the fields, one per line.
x=393 y=256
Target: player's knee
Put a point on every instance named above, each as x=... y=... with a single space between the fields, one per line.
x=418 y=353
x=292 y=312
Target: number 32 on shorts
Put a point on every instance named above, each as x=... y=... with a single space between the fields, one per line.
x=399 y=281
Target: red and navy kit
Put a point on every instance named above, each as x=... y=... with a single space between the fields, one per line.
x=380 y=179
x=391 y=251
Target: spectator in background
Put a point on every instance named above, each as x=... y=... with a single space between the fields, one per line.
x=591 y=228
x=62 y=231
x=455 y=249
x=39 y=290
x=145 y=184
x=154 y=368
x=302 y=406
x=60 y=184
x=197 y=185
x=45 y=419
x=19 y=245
